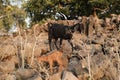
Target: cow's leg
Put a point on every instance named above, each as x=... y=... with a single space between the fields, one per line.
x=50 y=44
x=71 y=44
x=55 y=42
x=60 y=42
x=50 y=37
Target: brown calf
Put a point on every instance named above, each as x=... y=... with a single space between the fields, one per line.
x=51 y=58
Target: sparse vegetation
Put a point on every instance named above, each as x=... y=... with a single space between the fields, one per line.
x=95 y=64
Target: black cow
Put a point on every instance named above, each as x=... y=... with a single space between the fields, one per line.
x=60 y=31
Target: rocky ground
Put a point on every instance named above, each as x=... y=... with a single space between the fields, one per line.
x=95 y=57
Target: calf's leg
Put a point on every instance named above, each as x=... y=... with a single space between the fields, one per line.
x=50 y=45
x=51 y=65
x=60 y=64
x=61 y=42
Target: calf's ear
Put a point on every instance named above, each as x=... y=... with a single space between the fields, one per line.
x=61 y=49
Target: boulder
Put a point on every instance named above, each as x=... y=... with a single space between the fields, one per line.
x=24 y=74
x=66 y=75
x=36 y=77
x=9 y=65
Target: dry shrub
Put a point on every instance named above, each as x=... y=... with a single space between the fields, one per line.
x=29 y=48
x=37 y=29
x=41 y=69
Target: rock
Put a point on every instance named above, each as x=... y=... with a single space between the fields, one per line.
x=74 y=65
x=24 y=74
x=36 y=77
x=66 y=75
x=7 y=50
x=9 y=65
